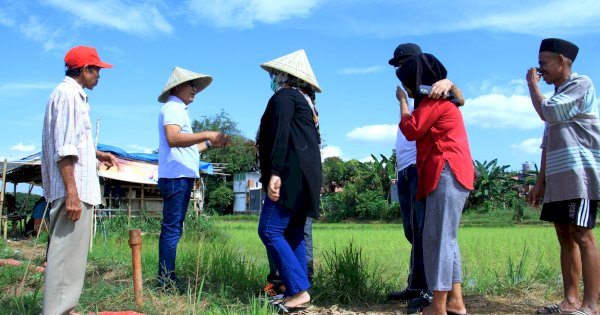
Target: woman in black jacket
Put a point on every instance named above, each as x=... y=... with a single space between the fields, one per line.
x=290 y=160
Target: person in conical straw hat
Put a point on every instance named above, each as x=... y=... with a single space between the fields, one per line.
x=290 y=160
x=178 y=162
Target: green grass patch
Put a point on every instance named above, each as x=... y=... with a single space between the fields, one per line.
x=225 y=266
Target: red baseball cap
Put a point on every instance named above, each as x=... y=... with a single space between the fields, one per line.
x=81 y=56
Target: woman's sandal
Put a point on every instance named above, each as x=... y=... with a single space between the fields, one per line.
x=552 y=309
x=290 y=309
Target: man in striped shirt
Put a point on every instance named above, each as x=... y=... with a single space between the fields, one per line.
x=70 y=180
x=569 y=176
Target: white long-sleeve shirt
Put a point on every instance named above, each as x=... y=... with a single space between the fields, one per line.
x=67 y=131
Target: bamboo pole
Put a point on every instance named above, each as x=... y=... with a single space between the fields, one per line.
x=129 y=201
x=92 y=227
x=135 y=242
x=142 y=199
x=4 y=217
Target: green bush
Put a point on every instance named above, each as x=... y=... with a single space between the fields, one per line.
x=201 y=226
x=352 y=204
x=220 y=199
x=370 y=205
x=345 y=278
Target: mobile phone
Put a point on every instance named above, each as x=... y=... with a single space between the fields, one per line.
x=426 y=89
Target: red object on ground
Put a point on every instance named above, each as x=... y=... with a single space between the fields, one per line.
x=9 y=262
x=117 y=313
x=16 y=263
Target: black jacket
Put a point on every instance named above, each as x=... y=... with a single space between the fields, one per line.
x=288 y=147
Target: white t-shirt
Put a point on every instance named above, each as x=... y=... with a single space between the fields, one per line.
x=406 y=151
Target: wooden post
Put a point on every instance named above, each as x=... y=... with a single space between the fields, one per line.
x=4 y=217
x=135 y=242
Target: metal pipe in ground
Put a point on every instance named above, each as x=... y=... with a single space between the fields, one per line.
x=135 y=242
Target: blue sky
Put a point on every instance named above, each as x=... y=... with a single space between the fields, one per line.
x=486 y=46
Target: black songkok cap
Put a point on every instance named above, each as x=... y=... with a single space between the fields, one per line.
x=560 y=46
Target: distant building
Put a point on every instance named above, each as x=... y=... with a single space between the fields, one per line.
x=247 y=191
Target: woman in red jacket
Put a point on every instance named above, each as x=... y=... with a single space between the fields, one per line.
x=446 y=175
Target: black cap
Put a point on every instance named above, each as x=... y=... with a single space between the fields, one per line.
x=560 y=46
x=403 y=52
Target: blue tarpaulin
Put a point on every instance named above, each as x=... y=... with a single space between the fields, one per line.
x=205 y=167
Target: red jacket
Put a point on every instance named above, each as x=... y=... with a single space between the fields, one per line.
x=438 y=128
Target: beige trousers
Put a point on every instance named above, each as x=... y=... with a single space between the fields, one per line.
x=67 y=258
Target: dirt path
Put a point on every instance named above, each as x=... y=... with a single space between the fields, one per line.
x=476 y=304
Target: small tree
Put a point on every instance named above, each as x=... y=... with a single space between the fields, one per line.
x=334 y=171
x=493 y=187
x=221 y=199
x=239 y=156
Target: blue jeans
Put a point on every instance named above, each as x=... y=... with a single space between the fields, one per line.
x=413 y=217
x=282 y=232
x=274 y=274
x=176 y=193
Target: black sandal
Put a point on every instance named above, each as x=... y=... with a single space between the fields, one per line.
x=290 y=309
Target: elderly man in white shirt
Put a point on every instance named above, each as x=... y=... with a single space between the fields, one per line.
x=70 y=179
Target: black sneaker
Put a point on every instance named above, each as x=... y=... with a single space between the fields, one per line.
x=404 y=295
x=417 y=304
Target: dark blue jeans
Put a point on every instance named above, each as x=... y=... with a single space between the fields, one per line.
x=282 y=232
x=176 y=193
x=413 y=217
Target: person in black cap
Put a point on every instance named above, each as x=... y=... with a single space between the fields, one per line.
x=413 y=211
x=569 y=178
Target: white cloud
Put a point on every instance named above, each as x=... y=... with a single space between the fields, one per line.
x=367 y=159
x=528 y=147
x=530 y=17
x=380 y=134
x=127 y=17
x=367 y=70
x=15 y=88
x=23 y=148
x=246 y=13
x=134 y=148
x=513 y=87
x=575 y=17
x=502 y=112
x=5 y=19
x=51 y=38
x=330 y=151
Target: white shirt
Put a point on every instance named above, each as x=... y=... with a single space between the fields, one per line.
x=406 y=151
x=176 y=162
x=68 y=132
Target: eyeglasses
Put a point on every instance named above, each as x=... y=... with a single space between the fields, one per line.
x=194 y=85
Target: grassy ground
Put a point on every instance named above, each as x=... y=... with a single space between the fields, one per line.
x=508 y=268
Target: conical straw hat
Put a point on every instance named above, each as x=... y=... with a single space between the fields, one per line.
x=295 y=64
x=180 y=75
